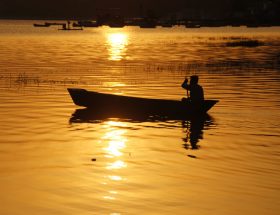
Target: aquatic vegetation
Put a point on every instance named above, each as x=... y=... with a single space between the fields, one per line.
x=24 y=79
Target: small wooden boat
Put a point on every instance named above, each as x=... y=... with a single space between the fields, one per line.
x=117 y=104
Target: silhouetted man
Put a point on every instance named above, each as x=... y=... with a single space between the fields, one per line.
x=196 y=91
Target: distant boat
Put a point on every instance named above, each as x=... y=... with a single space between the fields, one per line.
x=253 y=24
x=116 y=25
x=85 y=23
x=41 y=25
x=117 y=104
x=192 y=25
x=71 y=29
x=166 y=25
x=147 y=25
x=68 y=28
x=53 y=23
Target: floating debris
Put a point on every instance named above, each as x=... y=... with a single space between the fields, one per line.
x=192 y=156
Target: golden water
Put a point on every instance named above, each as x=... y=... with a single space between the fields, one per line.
x=50 y=164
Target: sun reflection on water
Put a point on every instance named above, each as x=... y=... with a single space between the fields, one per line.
x=117 y=45
x=116 y=165
x=115 y=177
x=115 y=142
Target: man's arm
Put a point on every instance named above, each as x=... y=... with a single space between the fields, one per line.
x=185 y=84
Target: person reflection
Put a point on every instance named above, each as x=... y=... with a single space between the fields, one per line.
x=194 y=132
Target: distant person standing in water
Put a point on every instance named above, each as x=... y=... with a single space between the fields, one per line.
x=196 y=91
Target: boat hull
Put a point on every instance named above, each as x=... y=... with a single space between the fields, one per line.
x=116 y=105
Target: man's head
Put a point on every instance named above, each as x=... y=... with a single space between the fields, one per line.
x=194 y=79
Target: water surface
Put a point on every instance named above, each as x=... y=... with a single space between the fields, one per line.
x=227 y=163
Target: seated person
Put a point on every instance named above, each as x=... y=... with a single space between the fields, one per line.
x=196 y=91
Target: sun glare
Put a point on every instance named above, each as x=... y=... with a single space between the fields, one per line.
x=117 y=45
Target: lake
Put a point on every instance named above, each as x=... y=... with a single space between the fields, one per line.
x=227 y=163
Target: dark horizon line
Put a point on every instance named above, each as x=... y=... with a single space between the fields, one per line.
x=147 y=24
x=275 y=22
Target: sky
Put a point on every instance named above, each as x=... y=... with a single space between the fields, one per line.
x=91 y=8
x=52 y=7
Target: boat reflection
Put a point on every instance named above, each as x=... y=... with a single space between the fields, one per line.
x=193 y=126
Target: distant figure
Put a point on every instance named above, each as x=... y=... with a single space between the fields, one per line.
x=196 y=91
